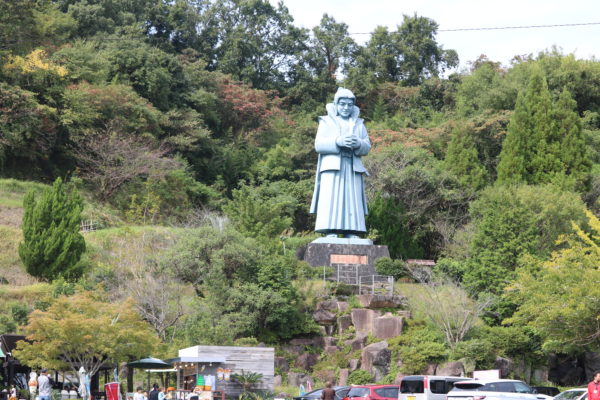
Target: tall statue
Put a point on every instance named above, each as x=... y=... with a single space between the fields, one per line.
x=339 y=196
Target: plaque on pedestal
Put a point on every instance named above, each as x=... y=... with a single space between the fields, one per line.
x=350 y=261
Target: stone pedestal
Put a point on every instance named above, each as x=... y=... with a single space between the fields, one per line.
x=350 y=258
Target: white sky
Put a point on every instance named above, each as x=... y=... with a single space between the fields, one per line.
x=498 y=45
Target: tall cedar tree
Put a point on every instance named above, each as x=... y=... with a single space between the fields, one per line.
x=462 y=159
x=52 y=244
x=526 y=156
x=573 y=151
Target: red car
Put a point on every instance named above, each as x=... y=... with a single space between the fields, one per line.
x=373 y=392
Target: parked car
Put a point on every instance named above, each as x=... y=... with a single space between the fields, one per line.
x=340 y=393
x=547 y=390
x=374 y=392
x=497 y=389
x=572 y=394
x=427 y=387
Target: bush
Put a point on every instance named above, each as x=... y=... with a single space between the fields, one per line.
x=360 y=377
x=387 y=266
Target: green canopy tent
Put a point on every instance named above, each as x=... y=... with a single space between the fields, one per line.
x=148 y=364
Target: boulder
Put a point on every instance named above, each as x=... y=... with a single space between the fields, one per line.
x=430 y=369
x=504 y=365
x=376 y=359
x=329 y=341
x=382 y=301
x=353 y=364
x=282 y=364
x=327 y=305
x=362 y=319
x=387 y=326
x=591 y=362
x=306 y=361
x=298 y=378
x=324 y=317
x=342 y=306
x=468 y=365
x=540 y=375
x=302 y=342
x=343 y=379
x=565 y=370
x=277 y=380
x=344 y=323
x=358 y=342
x=331 y=349
x=452 y=368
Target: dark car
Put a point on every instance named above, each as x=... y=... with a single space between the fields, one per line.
x=547 y=390
x=340 y=393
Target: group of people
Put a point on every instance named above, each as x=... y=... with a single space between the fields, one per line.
x=39 y=386
x=157 y=393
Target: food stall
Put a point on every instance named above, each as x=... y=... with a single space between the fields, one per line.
x=206 y=371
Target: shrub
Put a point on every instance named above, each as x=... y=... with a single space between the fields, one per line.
x=360 y=377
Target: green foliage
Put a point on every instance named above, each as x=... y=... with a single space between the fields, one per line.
x=561 y=288
x=462 y=159
x=27 y=132
x=429 y=196
x=420 y=345
x=387 y=216
x=52 y=244
x=510 y=222
x=391 y=267
x=263 y=211
x=544 y=140
x=360 y=377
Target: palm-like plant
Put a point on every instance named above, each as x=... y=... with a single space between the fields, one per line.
x=247 y=380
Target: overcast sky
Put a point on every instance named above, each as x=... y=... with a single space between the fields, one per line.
x=498 y=45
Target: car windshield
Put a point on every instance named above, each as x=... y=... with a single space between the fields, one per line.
x=569 y=395
x=412 y=386
x=466 y=386
x=358 y=392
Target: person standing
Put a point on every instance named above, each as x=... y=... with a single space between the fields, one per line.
x=139 y=395
x=44 y=387
x=594 y=387
x=328 y=393
x=153 y=395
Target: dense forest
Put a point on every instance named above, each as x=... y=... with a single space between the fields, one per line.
x=183 y=130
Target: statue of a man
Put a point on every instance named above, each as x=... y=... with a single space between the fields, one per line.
x=339 y=196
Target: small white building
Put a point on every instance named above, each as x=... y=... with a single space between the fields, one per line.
x=218 y=363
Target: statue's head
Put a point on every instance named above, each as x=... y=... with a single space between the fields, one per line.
x=344 y=102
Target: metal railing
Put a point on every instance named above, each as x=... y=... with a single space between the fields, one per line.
x=376 y=284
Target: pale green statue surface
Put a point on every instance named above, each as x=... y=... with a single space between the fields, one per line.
x=339 y=196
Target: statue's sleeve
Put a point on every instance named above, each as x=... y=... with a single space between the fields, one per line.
x=325 y=140
x=365 y=143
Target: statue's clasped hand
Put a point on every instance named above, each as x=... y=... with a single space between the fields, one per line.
x=350 y=142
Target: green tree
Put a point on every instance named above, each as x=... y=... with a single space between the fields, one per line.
x=563 y=288
x=572 y=148
x=530 y=153
x=52 y=244
x=408 y=55
x=462 y=158
x=510 y=222
x=85 y=330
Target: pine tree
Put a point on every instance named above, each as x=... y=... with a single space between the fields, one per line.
x=463 y=161
x=573 y=152
x=52 y=245
x=530 y=152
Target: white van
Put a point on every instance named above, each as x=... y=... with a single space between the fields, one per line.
x=427 y=387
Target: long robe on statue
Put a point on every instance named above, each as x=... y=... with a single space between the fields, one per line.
x=339 y=195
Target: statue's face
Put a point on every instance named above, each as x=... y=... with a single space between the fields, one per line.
x=344 y=107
